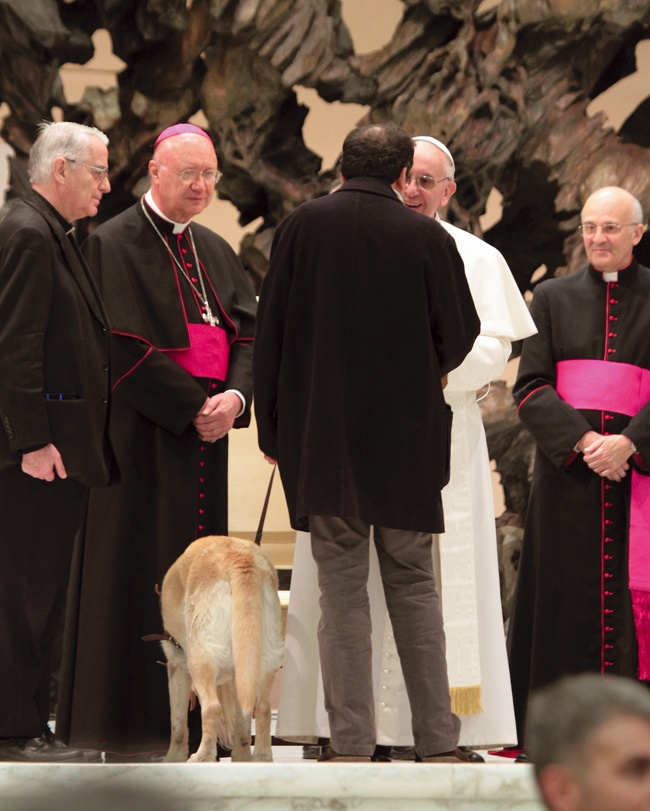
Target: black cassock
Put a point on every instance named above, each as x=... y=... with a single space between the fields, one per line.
x=572 y=611
x=172 y=487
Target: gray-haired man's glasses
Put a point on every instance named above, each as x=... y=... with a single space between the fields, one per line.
x=100 y=173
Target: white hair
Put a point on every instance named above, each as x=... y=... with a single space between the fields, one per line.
x=450 y=169
x=59 y=139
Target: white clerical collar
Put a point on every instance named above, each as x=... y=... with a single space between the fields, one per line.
x=611 y=277
x=179 y=227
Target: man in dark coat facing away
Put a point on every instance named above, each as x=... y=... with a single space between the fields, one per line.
x=363 y=312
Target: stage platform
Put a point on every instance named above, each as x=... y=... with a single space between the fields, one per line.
x=288 y=784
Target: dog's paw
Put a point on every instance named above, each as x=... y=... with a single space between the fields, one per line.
x=203 y=757
x=175 y=756
x=263 y=757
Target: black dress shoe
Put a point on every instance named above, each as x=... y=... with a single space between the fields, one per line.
x=457 y=755
x=472 y=756
x=402 y=753
x=522 y=757
x=46 y=749
x=330 y=756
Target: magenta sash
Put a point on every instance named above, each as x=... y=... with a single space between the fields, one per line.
x=208 y=354
x=601 y=385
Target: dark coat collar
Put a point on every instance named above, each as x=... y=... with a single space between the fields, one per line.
x=63 y=232
x=372 y=185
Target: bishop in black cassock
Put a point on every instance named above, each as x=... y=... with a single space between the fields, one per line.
x=183 y=316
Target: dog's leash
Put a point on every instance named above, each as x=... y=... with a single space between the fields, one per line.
x=260 y=527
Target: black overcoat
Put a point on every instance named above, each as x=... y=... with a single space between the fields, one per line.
x=364 y=309
x=54 y=345
x=54 y=388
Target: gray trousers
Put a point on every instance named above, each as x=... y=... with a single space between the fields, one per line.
x=340 y=548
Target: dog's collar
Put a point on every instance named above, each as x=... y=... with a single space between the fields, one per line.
x=164 y=637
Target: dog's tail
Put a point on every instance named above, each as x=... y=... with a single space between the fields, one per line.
x=247 y=630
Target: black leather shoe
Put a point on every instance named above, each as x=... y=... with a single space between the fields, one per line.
x=402 y=753
x=330 y=756
x=46 y=749
x=472 y=756
x=522 y=757
x=458 y=755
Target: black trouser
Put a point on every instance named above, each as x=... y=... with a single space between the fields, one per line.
x=38 y=523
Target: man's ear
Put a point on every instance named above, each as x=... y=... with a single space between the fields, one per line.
x=400 y=184
x=59 y=169
x=450 y=188
x=560 y=788
x=638 y=233
x=153 y=170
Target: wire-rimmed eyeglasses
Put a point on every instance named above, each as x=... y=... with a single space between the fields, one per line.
x=426 y=182
x=100 y=173
x=210 y=176
x=609 y=229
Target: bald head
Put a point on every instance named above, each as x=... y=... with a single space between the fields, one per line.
x=616 y=196
x=611 y=226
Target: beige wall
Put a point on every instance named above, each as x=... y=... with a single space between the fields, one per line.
x=325 y=128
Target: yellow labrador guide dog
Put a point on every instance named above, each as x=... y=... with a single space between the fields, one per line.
x=222 y=619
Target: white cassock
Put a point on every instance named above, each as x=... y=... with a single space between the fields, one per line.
x=465 y=556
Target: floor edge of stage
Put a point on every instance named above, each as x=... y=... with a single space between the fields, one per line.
x=290 y=786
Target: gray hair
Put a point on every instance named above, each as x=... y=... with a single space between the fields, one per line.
x=59 y=139
x=562 y=717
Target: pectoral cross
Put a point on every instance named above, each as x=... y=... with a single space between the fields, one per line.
x=208 y=317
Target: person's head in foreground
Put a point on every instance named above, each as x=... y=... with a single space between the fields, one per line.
x=589 y=740
x=377 y=150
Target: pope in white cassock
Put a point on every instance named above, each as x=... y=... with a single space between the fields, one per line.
x=465 y=556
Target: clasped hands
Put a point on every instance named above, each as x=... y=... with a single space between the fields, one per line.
x=217 y=416
x=606 y=455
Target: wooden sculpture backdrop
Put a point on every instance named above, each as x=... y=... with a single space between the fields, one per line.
x=507 y=89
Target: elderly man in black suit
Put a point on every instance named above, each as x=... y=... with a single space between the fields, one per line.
x=363 y=312
x=54 y=394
